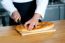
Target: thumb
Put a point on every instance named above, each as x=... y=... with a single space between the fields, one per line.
x=26 y=24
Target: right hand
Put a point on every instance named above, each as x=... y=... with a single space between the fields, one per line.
x=16 y=16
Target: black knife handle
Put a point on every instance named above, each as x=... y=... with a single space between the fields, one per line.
x=19 y=21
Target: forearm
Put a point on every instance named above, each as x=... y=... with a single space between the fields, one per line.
x=41 y=7
x=8 y=5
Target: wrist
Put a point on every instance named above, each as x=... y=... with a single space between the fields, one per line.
x=36 y=16
x=15 y=12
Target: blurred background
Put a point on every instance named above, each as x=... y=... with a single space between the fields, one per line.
x=55 y=11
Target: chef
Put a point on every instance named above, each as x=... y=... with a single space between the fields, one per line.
x=28 y=12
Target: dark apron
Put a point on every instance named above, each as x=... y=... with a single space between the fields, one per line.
x=26 y=11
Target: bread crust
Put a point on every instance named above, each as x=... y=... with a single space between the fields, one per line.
x=40 y=28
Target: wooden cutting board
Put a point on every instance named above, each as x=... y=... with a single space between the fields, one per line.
x=41 y=28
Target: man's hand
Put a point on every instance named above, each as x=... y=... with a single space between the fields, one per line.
x=16 y=16
x=32 y=22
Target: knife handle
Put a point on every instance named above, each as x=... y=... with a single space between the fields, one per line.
x=19 y=21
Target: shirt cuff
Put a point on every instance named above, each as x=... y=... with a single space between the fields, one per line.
x=41 y=12
x=8 y=5
x=41 y=7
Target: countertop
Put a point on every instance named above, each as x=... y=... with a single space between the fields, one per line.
x=8 y=34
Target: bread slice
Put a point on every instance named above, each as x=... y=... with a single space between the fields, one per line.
x=42 y=27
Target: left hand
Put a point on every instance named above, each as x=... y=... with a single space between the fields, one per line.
x=32 y=22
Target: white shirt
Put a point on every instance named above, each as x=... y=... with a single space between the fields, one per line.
x=41 y=5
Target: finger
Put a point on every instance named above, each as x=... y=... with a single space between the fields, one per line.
x=17 y=18
x=20 y=18
x=36 y=24
x=25 y=25
x=31 y=26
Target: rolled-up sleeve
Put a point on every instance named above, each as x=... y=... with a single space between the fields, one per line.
x=41 y=7
x=8 y=5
